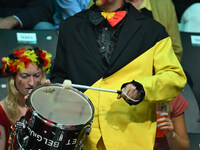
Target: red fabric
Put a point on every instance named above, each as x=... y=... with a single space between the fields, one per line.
x=5 y=122
x=119 y=15
x=179 y=105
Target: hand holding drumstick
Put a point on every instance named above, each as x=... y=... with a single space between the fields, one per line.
x=129 y=92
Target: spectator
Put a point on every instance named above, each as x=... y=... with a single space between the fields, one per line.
x=173 y=124
x=26 y=14
x=66 y=8
x=25 y=68
x=162 y=11
x=134 y=54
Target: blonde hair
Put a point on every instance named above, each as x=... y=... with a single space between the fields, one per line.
x=13 y=98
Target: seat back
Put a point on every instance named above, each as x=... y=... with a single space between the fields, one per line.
x=191 y=60
x=194 y=141
x=3 y=87
x=44 y=39
x=192 y=115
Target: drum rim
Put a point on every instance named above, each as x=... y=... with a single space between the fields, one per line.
x=54 y=124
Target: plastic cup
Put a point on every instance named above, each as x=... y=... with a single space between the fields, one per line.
x=159 y=132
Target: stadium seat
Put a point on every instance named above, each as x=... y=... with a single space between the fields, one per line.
x=10 y=39
x=194 y=141
x=44 y=39
x=191 y=61
x=192 y=115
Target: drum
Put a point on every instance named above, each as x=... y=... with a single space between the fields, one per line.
x=57 y=119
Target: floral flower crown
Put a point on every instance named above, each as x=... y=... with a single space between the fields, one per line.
x=20 y=59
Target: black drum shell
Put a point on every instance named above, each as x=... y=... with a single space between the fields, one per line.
x=39 y=133
x=45 y=137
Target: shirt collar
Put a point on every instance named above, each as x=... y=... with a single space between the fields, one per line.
x=145 y=4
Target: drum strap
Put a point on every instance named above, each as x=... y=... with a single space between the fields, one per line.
x=11 y=139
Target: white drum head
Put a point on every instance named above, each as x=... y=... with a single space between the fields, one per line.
x=61 y=106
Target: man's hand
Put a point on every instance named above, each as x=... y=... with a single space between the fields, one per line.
x=131 y=92
x=8 y=23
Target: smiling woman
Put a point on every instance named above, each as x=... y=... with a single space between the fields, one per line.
x=25 y=68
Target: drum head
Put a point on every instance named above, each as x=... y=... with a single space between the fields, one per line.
x=61 y=106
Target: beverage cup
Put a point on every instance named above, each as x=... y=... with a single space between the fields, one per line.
x=159 y=132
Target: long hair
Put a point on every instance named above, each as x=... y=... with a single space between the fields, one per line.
x=14 y=98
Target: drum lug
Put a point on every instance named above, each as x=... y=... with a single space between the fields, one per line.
x=87 y=130
x=21 y=124
x=60 y=135
x=81 y=148
x=25 y=141
x=63 y=127
x=31 y=121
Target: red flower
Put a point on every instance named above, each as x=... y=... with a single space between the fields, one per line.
x=43 y=55
x=46 y=62
x=12 y=68
x=2 y=59
x=25 y=60
x=38 y=53
x=18 y=53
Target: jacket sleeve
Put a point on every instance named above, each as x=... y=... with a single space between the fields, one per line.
x=169 y=78
x=59 y=70
x=35 y=12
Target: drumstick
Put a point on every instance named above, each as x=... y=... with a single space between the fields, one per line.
x=68 y=84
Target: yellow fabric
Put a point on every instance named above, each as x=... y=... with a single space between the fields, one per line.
x=107 y=15
x=145 y=4
x=172 y=76
x=134 y=127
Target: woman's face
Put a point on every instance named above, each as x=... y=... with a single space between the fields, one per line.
x=28 y=79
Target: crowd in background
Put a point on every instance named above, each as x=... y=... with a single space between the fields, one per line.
x=178 y=15
x=48 y=14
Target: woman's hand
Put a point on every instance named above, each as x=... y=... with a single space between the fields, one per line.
x=47 y=81
x=166 y=124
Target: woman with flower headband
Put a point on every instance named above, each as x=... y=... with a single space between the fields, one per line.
x=25 y=68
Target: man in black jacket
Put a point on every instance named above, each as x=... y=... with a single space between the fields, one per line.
x=113 y=46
